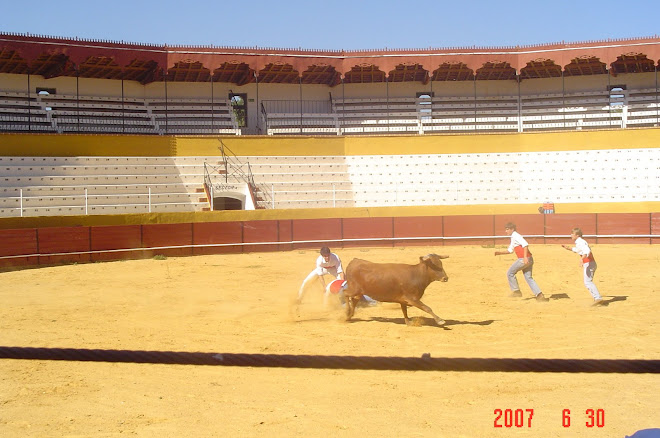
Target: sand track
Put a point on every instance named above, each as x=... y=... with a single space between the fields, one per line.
x=243 y=304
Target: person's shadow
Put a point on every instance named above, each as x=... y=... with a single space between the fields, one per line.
x=559 y=297
x=613 y=299
x=605 y=302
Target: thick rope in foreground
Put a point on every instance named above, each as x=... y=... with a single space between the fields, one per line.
x=424 y=363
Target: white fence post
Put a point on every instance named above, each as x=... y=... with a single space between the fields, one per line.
x=21 y=201
x=272 y=195
x=86 y=202
x=334 y=196
x=149 y=188
x=212 y=197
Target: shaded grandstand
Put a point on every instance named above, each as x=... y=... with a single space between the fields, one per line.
x=69 y=85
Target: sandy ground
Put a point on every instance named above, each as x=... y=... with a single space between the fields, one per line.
x=243 y=304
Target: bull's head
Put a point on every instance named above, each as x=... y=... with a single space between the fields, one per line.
x=434 y=262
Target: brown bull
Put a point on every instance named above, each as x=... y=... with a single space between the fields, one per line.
x=393 y=283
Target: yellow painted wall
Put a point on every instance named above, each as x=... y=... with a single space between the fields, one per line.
x=62 y=145
x=144 y=145
x=261 y=146
x=318 y=213
x=527 y=142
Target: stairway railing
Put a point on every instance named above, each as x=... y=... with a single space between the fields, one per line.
x=232 y=167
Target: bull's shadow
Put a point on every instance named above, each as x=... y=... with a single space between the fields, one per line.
x=423 y=321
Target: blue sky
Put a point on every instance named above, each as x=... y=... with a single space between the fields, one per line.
x=333 y=25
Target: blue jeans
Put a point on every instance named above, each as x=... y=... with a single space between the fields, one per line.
x=518 y=265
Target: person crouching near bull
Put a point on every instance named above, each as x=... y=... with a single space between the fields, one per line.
x=588 y=263
x=523 y=263
x=328 y=263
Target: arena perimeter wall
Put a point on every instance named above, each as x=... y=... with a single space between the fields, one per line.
x=95 y=238
x=49 y=240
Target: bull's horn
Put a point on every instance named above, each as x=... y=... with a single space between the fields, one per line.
x=428 y=256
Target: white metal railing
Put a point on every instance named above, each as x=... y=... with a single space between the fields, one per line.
x=231 y=167
x=574 y=111
x=84 y=201
x=450 y=193
x=329 y=194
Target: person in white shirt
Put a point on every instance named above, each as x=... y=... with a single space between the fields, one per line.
x=523 y=263
x=588 y=263
x=328 y=263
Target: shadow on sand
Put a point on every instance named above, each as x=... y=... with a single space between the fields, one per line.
x=559 y=297
x=612 y=299
x=419 y=321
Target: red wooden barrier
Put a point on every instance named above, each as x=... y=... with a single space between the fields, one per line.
x=425 y=226
x=208 y=233
x=459 y=226
x=375 y=228
x=156 y=235
x=325 y=230
x=260 y=231
x=624 y=223
x=285 y=234
x=562 y=224
x=330 y=232
x=116 y=237
x=64 y=239
x=18 y=242
x=655 y=227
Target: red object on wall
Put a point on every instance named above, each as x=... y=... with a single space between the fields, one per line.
x=260 y=231
x=425 y=226
x=209 y=233
x=367 y=227
x=526 y=224
x=157 y=235
x=624 y=223
x=562 y=224
x=116 y=237
x=327 y=231
x=19 y=242
x=64 y=239
x=458 y=226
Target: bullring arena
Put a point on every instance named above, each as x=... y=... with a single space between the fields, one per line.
x=149 y=270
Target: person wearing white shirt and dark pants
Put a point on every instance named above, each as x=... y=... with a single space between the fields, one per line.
x=588 y=263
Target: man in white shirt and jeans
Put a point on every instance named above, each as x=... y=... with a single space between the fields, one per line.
x=524 y=263
x=588 y=263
